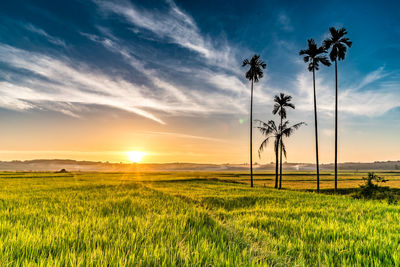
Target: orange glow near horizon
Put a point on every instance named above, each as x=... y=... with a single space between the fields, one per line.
x=135 y=156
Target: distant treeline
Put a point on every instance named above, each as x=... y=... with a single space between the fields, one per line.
x=73 y=165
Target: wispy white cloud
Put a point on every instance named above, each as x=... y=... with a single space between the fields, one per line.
x=68 y=84
x=228 y=88
x=51 y=39
x=58 y=83
x=174 y=26
x=371 y=77
x=180 y=135
x=354 y=99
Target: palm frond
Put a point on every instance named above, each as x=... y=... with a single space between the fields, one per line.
x=346 y=41
x=304 y=52
x=341 y=32
x=333 y=31
x=275 y=108
x=284 y=150
x=341 y=51
x=288 y=131
x=263 y=145
x=265 y=130
x=311 y=44
x=327 y=43
x=324 y=60
x=290 y=105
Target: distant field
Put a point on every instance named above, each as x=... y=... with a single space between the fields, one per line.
x=192 y=218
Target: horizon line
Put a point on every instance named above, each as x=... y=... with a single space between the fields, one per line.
x=198 y=163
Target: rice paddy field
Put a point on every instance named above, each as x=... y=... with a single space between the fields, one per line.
x=192 y=218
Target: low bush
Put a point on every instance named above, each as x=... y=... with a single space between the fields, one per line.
x=373 y=190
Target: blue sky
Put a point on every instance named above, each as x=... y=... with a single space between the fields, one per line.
x=148 y=71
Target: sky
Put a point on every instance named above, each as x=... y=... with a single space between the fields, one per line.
x=93 y=79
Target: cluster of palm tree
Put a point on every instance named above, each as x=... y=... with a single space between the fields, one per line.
x=336 y=45
x=271 y=131
x=313 y=55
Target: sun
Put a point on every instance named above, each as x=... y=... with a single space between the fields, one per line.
x=135 y=156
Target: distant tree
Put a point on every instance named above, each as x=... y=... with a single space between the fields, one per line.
x=338 y=44
x=314 y=55
x=270 y=131
x=254 y=73
x=282 y=102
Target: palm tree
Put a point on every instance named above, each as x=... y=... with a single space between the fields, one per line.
x=314 y=55
x=282 y=102
x=253 y=74
x=270 y=130
x=338 y=43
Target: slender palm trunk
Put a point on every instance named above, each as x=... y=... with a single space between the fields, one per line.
x=316 y=130
x=251 y=135
x=280 y=172
x=276 y=164
x=336 y=122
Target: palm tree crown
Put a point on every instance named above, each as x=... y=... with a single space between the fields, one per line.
x=269 y=130
x=338 y=43
x=314 y=55
x=282 y=101
x=256 y=65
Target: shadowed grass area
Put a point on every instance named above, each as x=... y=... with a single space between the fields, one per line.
x=119 y=219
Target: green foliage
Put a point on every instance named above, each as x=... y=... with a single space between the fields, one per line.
x=371 y=187
x=186 y=219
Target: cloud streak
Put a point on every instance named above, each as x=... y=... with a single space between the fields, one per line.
x=180 y=135
x=174 y=26
x=59 y=83
x=51 y=39
x=354 y=99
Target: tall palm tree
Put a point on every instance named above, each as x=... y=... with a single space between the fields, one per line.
x=282 y=102
x=337 y=42
x=271 y=131
x=314 y=55
x=253 y=74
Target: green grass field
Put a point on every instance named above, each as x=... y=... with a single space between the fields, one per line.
x=184 y=218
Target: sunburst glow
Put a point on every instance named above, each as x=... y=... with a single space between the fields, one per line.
x=135 y=156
